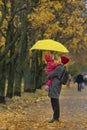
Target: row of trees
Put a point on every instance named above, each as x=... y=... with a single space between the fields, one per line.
x=22 y=23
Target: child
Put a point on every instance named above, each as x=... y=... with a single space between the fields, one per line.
x=51 y=65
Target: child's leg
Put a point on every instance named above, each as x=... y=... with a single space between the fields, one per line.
x=48 y=83
x=47 y=88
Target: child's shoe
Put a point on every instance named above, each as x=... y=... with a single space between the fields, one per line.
x=47 y=88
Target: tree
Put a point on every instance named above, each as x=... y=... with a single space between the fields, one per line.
x=62 y=21
x=15 y=53
x=23 y=23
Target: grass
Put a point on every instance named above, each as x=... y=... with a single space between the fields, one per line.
x=37 y=94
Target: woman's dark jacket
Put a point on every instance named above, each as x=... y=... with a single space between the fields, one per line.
x=55 y=88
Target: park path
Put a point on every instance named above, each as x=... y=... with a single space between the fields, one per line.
x=26 y=113
x=73 y=111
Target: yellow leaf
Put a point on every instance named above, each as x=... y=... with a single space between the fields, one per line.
x=1 y=3
x=0 y=14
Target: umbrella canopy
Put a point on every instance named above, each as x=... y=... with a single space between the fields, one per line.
x=49 y=44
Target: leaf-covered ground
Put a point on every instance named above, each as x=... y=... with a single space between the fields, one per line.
x=32 y=111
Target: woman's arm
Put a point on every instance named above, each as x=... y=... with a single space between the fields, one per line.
x=57 y=72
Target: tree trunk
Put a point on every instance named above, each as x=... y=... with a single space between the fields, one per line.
x=10 y=88
x=2 y=82
x=21 y=60
x=11 y=64
x=26 y=77
x=18 y=80
x=40 y=75
x=10 y=38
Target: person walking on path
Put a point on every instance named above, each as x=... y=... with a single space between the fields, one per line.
x=69 y=80
x=80 y=81
x=55 y=87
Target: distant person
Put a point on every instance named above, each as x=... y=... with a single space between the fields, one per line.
x=69 y=80
x=80 y=81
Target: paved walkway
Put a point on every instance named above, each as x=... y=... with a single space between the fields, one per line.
x=74 y=108
x=73 y=111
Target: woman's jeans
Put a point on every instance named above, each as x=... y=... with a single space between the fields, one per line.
x=55 y=107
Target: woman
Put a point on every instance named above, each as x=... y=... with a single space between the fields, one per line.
x=55 y=88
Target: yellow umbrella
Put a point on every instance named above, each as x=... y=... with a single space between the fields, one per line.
x=49 y=44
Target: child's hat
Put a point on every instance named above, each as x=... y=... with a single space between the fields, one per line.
x=64 y=59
